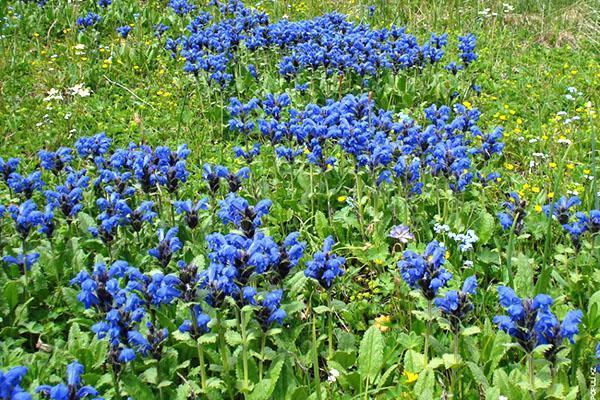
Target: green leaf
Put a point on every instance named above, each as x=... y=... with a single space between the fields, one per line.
x=413 y=361
x=370 y=353
x=264 y=388
x=233 y=338
x=321 y=309
x=425 y=385
x=471 y=330
x=150 y=375
x=485 y=227
x=136 y=388
x=11 y=293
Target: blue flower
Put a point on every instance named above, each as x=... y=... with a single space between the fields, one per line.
x=160 y=29
x=10 y=384
x=8 y=167
x=73 y=390
x=25 y=185
x=456 y=305
x=143 y=214
x=562 y=208
x=531 y=322
x=425 y=271
x=24 y=263
x=26 y=217
x=237 y=211
x=104 y=3
x=514 y=214
x=90 y=19
x=466 y=46
x=270 y=311
x=201 y=322
x=181 y=7
x=93 y=146
x=68 y=197
x=191 y=210
x=124 y=31
x=55 y=161
x=168 y=244
x=325 y=266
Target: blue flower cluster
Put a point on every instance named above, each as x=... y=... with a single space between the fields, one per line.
x=455 y=305
x=425 y=271
x=90 y=19
x=451 y=146
x=124 y=298
x=325 y=265
x=10 y=384
x=514 y=213
x=214 y=173
x=531 y=323
x=73 y=390
x=576 y=223
x=329 y=42
x=168 y=244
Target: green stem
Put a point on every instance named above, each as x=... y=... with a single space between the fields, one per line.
x=427 y=332
x=263 y=341
x=222 y=344
x=117 y=386
x=315 y=353
x=330 y=329
x=361 y=219
x=244 y=348
x=531 y=374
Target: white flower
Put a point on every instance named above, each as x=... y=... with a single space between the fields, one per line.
x=80 y=46
x=564 y=141
x=468 y=264
x=80 y=90
x=333 y=375
x=53 y=94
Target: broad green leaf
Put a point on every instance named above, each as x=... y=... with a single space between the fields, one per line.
x=370 y=354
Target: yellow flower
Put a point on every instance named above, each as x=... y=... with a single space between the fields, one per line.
x=382 y=323
x=342 y=199
x=378 y=261
x=552 y=165
x=535 y=189
x=306 y=151
x=509 y=166
x=570 y=166
x=467 y=104
x=410 y=377
x=538 y=208
x=551 y=195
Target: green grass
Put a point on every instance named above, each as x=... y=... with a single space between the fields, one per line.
x=529 y=55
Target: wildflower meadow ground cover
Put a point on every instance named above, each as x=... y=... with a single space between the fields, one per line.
x=299 y=200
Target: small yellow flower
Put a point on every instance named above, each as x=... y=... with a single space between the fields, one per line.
x=509 y=166
x=570 y=166
x=586 y=171
x=378 y=261
x=552 y=165
x=526 y=186
x=410 y=377
x=382 y=323
x=535 y=189
x=342 y=199
x=538 y=208
x=551 y=195
x=306 y=151
x=467 y=104
x=36 y=34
